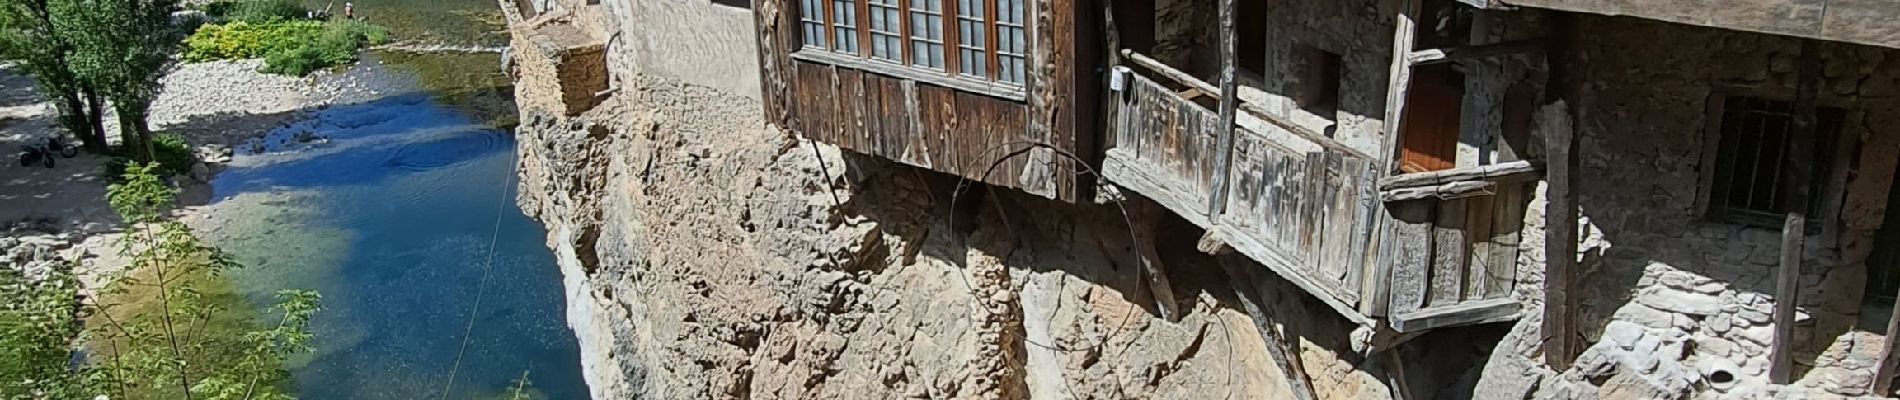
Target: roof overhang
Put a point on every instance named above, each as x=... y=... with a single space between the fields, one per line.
x=1869 y=22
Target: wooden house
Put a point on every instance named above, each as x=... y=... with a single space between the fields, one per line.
x=1278 y=149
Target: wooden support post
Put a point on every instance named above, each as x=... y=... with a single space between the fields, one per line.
x=1147 y=213
x=1796 y=168
x=1560 y=214
x=1884 y=373
x=1780 y=369
x=1284 y=352
x=1229 y=100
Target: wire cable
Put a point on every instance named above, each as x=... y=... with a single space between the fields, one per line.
x=481 y=289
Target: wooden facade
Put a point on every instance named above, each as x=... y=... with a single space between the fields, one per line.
x=1033 y=136
x=1407 y=252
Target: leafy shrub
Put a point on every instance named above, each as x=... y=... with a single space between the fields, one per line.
x=173 y=155
x=288 y=47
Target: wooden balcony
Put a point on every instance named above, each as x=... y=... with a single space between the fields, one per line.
x=1314 y=212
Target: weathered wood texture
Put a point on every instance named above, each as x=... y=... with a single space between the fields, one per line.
x=1304 y=214
x=975 y=136
x=1455 y=259
x=1037 y=143
x=1862 y=22
x=1780 y=361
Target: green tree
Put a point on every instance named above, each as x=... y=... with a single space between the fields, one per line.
x=121 y=47
x=163 y=329
x=29 y=38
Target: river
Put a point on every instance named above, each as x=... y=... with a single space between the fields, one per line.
x=400 y=212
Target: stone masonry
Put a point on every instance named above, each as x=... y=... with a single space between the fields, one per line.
x=1675 y=305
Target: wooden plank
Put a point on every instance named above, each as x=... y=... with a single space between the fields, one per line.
x=1501 y=272
x=1781 y=369
x=1277 y=262
x=1229 y=99
x=1499 y=171
x=1467 y=313
x=1255 y=110
x=1449 y=191
x=1450 y=54
x=1124 y=169
x=1560 y=249
x=1003 y=91
x=1478 y=214
x=1145 y=218
x=1413 y=235
x=1885 y=371
x=1795 y=168
x=1450 y=249
x=1284 y=352
x=774 y=42
x=1404 y=30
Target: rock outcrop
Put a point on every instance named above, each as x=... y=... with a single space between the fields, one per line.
x=707 y=255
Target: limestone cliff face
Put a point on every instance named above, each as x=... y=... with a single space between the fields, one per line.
x=707 y=255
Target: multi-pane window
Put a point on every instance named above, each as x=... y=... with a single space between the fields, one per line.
x=984 y=43
x=811 y=18
x=1747 y=185
x=1009 y=41
x=844 y=24
x=926 y=33
x=886 y=39
x=972 y=56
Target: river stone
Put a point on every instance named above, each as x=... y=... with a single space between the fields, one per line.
x=1680 y=301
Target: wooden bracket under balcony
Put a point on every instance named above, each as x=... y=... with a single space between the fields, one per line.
x=1454 y=183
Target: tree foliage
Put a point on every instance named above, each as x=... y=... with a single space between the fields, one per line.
x=120 y=47
x=162 y=329
x=29 y=38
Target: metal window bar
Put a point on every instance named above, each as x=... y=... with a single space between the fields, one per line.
x=926 y=33
x=886 y=38
x=844 y=17
x=1754 y=134
x=971 y=31
x=811 y=18
x=1010 y=46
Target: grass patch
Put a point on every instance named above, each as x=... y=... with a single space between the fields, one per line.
x=173 y=155
x=288 y=47
x=255 y=11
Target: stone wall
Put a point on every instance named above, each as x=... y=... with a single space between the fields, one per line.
x=1673 y=303
x=1360 y=33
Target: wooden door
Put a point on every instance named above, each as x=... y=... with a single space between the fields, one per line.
x=1428 y=135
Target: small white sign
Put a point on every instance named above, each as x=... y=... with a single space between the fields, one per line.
x=1117 y=79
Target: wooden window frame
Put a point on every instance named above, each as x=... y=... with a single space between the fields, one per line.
x=1825 y=196
x=991 y=81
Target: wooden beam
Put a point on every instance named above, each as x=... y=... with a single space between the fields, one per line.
x=1795 y=168
x=1449 y=191
x=1256 y=110
x=1283 y=351
x=1229 y=99
x=1461 y=314
x=1884 y=373
x=1560 y=213
x=1493 y=172
x=1780 y=369
x=1146 y=215
x=1450 y=54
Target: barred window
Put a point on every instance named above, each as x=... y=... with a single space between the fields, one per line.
x=926 y=33
x=885 y=36
x=811 y=17
x=1747 y=185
